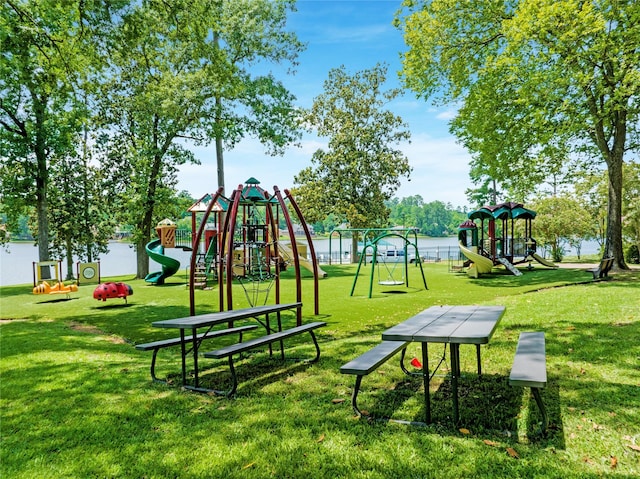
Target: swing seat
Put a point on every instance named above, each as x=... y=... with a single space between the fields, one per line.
x=390 y=283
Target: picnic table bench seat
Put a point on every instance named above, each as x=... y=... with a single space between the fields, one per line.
x=602 y=271
x=530 y=368
x=155 y=346
x=369 y=362
x=240 y=347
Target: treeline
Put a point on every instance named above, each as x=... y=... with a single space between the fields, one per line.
x=435 y=218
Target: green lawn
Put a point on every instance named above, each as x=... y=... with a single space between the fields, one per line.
x=76 y=399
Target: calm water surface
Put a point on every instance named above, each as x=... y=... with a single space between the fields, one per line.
x=16 y=260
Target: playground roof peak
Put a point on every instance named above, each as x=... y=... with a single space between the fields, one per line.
x=253 y=192
x=200 y=206
x=510 y=209
x=468 y=224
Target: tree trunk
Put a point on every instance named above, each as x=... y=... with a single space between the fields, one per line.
x=69 y=259
x=613 y=244
x=354 y=248
x=142 y=258
x=219 y=152
x=42 y=182
x=149 y=204
x=145 y=235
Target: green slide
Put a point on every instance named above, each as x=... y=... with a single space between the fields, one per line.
x=170 y=266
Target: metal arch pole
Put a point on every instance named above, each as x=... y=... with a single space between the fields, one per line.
x=314 y=259
x=273 y=224
x=294 y=249
x=232 y=226
x=355 y=280
x=222 y=264
x=194 y=252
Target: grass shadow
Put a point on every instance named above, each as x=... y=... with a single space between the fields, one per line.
x=55 y=300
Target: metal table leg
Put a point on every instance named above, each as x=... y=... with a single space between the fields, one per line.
x=455 y=373
x=184 y=359
x=425 y=377
x=195 y=356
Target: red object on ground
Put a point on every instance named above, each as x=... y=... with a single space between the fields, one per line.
x=416 y=364
x=112 y=290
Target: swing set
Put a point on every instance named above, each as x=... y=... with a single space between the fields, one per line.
x=386 y=261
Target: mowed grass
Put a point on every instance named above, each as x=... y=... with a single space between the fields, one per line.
x=76 y=399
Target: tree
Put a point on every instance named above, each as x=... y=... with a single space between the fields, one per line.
x=48 y=50
x=533 y=77
x=434 y=219
x=591 y=191
x=172 y=66
x=362 y=167
x=559 y=221
x=81 y=214
x=631 y=210
x=252 y=32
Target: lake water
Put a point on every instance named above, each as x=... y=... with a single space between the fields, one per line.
x=16 y=260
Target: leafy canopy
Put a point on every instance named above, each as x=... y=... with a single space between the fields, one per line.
x=362 y=166
x=540 y=84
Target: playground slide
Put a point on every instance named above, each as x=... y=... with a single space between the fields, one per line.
x=287 y=253
x=543 y=261
x=170 y=266
x=482 y=264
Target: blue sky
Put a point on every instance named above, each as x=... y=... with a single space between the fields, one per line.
x=357 y=34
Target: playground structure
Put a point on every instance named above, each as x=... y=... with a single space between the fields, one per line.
x=166 y=230
x=88 y=272
x=494 y=242
x=238 y=239
x=112 y=290
x=384 y=257
x=41 y=285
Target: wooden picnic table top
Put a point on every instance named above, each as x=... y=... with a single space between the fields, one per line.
x=210 y=319
x=448 y=324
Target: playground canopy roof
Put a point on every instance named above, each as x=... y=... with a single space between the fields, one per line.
x=202 y=204
x=503 y=211
x=251 y=192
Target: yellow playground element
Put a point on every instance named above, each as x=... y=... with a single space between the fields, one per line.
x=42 y=286
x=543 y=261
x=480 y=264
x=57 y=288
x=287 y=254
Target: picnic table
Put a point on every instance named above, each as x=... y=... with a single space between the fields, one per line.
x=193 y=323
x=453 y=325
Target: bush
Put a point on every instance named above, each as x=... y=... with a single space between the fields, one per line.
x=632 y=255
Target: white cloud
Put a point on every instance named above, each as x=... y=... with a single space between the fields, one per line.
x=440 y=168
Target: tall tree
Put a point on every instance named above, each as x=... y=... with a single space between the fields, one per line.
x=252 y=34
x=533 y=77
x=362 y=166
x=175 y=75
x=559 y=220
x=47 y=51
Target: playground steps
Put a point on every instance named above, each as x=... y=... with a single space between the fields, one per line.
x=200 y=276
x=505 y=262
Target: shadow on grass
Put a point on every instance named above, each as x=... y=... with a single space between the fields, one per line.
x=19 y=290
x=256 y=370
x=55 y=300
x=113 y=304
x=488 y=407
x=535 y=278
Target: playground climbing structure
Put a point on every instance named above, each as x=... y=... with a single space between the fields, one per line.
x=241 y=235
x=499 y=235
